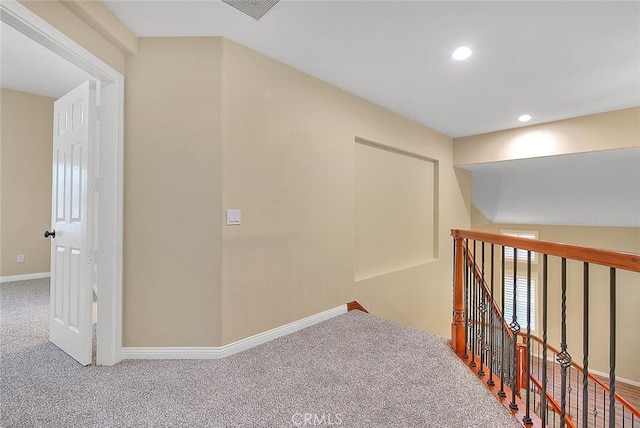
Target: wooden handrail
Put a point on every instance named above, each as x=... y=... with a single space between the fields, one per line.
x=604 y=386
x=355 y=306
x=616 y=259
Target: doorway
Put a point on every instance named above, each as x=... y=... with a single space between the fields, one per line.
x=107 y=257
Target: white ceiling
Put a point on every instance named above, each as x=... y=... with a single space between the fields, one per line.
x=587 y=189
x=28 y=67
x=553 y=59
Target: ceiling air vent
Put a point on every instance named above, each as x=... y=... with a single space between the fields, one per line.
x=253 y=8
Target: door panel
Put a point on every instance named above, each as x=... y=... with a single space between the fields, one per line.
x=70 y=325
x=76 y=195
x=57 y=272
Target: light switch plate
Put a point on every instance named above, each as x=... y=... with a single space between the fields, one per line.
x=234 y=217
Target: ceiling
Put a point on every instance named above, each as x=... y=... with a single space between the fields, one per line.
x=553 y=60
x=28 y=67
x=586 y=189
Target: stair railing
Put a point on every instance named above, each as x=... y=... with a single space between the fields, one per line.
x=626 y=414
x=488 y=343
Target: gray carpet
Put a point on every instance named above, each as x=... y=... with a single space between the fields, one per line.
x=354 y=370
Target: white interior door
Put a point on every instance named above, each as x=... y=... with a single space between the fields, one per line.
x=74 y=136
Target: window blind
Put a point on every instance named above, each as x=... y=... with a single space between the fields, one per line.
x=521 y=300
x=522 y=254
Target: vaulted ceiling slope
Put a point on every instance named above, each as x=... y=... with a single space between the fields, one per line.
x=552 y=60
x=586 y=189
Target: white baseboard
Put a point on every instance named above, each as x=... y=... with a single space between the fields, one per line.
x=171 y=353
x=215 y=352
x=618 y=378
x=24 y=277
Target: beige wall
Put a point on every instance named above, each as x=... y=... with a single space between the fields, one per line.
x=288 y=144
x=288 y=147
x=614 y=130
x=172 y=205
x=289 y=164
x=26 y=136
x=395 y=205
x=73 y=26
x=628 y=295
x=106 y=23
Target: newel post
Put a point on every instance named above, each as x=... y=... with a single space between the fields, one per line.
x=457 y=326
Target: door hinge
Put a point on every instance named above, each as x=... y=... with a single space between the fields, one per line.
x=94 y=257
x=94 y=184
x=97 y=113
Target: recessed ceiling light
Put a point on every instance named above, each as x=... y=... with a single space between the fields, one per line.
x=461 y=53
x=524 y=118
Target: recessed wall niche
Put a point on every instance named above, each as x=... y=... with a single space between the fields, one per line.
x=396 y=209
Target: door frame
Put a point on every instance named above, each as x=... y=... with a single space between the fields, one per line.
x=110 y=184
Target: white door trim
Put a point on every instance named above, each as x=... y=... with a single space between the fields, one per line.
x=110 y=215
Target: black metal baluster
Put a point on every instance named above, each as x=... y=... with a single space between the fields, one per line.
x=501 y=393
x=545 y=412
x=485 y=332
x=527 y=417
x=490 y=382
x=483 y=312
x=478 y=323
x=570 y=390
x=534 y=401
x=604 y=408
x=595 y=405
x=538 y=360
x=498 y=341
x=577 y=414
x=478 y=304
x=553 y=380
x=474 y=285
x=585 y=346
x=543 y=401
x=612 y=348
x=564 y=359
x=515 y=328
x=467 y=299
x=540 y=369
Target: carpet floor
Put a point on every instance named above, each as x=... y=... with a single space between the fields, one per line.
x=354 y=370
